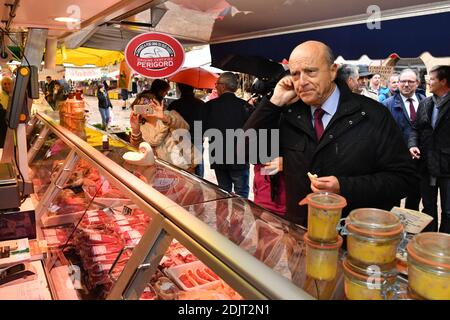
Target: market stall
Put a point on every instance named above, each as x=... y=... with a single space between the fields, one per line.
x=108 y=219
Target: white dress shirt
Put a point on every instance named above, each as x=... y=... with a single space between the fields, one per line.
x=406 y=103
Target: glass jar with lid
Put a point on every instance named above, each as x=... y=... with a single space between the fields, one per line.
x=322 y=258
x=366 y=283
x=324 y=213
x=373 y=237
x=429 y=265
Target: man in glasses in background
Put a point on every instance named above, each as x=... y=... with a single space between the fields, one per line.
x=403 y=107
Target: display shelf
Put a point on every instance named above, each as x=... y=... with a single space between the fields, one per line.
x=121 y=254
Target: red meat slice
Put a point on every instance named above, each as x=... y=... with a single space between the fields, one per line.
x=200 y=274
x=99 y=238
x=104 y=249
x=184 y=278
x=148 y=294
x=190 y=258
x=212 y=274
x=197 y=279
x=204 y=275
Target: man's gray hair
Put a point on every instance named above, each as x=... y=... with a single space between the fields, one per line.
x=329 y=56
x=230 y=80
x=347 y=71
x=395 y=74
x=409 y=70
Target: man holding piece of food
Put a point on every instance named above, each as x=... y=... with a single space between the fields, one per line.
x=349 y=141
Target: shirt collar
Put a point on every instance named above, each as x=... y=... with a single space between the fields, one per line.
x=405 y=99
x=331 y=104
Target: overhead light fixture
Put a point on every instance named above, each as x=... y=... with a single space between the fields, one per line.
x=67 y=19
x=156 y=15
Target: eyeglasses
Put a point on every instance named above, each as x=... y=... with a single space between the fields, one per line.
x=407 y=81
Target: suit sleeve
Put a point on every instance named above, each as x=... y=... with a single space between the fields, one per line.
x=204 y=115
x=393 y=175
x=266 y=116
x=413 y=140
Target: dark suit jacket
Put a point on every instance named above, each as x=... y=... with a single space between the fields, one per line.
x=434 y=144
x=190 y=108
x=222 y=113
x=398 y=110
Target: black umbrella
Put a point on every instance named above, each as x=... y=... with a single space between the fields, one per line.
x=260 y=67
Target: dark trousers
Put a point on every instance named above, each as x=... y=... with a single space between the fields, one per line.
x=226 y=178
x=413 y=199
x=429 y=198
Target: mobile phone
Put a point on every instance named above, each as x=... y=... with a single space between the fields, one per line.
x=142 y=109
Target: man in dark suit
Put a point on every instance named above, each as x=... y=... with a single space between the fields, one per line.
x=190 y=108
x=350 y=141
x=403 y=107
x=429 y=142
x=224 y=113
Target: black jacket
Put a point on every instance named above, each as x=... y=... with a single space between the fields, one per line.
x=190 y=108
x=434 y=144
x=103 y=100
x=225 y=112
x=362 y=146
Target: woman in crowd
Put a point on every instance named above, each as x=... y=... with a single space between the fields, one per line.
x=156 y=128
x=103 y=105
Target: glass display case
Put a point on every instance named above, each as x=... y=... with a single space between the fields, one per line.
x=121 y=231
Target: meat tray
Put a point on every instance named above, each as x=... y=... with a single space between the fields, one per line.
x=175 y=272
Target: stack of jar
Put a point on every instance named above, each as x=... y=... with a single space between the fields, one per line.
x=429 y=266
x=373 y=236
x=322 y=239
x=72 y=114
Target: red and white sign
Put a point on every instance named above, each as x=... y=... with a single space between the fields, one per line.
x=154 y=55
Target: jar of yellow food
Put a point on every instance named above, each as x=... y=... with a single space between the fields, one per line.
x=363 y=284
x=373 y=237
x=429 y=265
x=324 y=213
x=322 y=258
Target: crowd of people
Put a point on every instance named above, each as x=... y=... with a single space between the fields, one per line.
x=56 y=91
x=373 y=145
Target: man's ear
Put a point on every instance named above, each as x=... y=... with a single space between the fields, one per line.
x=333 y=70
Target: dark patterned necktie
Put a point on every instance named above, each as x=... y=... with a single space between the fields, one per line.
x=412 y=111
x=318 y=125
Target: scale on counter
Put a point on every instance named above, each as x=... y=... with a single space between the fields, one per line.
x=9 y=187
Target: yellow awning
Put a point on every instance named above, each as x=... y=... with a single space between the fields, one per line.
x=83 y=56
